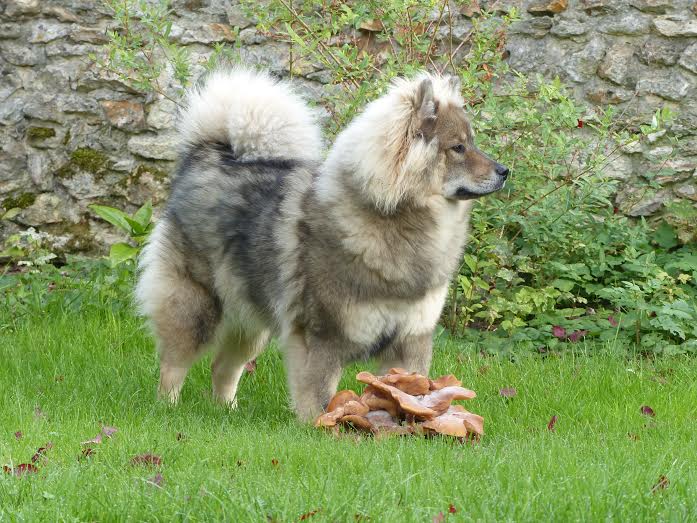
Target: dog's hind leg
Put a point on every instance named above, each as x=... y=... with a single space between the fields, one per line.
x=314 y=369
x=235 y=349
x=412 y=353
x=184 y=317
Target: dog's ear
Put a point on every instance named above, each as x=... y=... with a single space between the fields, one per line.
x=426 y=109
x=454 y=82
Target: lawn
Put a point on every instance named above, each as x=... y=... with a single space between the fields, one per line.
x=64 y=375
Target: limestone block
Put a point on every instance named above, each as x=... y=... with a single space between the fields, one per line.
x=124 y=114
x=160 y=146
x=616 y=63
x=689 y=58
x=669 y=85
x=672 y=25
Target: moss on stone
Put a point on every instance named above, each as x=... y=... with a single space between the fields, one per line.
x=21 y=201
x=89 y=160
x=40 y=133
x=84 y=159
x=157 y=174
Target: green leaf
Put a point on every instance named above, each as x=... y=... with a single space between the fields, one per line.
x=121 y=252
x=665 y=236
x=115 y=217
x=136 y=228
x=563 y=285
x=144 y=214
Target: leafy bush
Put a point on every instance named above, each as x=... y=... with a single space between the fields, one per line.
x=137 y=227
x=550 y=260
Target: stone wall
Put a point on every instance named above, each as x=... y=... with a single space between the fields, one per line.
x=71 y=135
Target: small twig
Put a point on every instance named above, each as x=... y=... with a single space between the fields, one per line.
x=410 y=40
x=319 y=42
x=389 y=39
x=435 y=32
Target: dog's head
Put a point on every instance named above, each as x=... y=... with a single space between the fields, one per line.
x=412 y=144
x=460 y=171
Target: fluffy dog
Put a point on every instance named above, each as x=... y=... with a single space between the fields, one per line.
x=344 y=259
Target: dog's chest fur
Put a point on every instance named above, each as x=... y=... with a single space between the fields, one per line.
x=389 y=274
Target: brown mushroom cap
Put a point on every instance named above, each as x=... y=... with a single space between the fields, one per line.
x=440 y=400
x=355 y=408
x=377 y=401
x=366 y=377
x=473 y=422
x=329 y=419
x=397 y=370
x=407 y=403
x=414 y=384
x=360 y=422
x=447 y=424
x=341 y=398
x=445 y=381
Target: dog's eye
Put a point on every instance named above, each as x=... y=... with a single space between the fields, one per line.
x=459 y=148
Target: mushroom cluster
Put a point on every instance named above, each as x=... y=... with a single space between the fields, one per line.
x=401 y=402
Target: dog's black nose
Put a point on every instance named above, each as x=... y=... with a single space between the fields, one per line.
x=502 y=170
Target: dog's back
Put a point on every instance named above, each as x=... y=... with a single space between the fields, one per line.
x=242 y=133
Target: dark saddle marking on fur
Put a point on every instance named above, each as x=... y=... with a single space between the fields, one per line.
x=229 y=158
x=381 y=344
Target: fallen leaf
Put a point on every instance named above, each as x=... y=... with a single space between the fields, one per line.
x=647 y=411
x=109 y=431
x=21 y=469
x=41 y=452
x=86 y=453
x=308 y=515
x=105 y=432
x=180 y=436
x=632 y=436
x=559 y=332
x=508 y=392
x=96 y=439
x=147 y=459
x=452 y=509
x=156 y=480
x=274 y=462
x=439 y=518
x=251 y=366
x=579 y=124
x=552 y=423
x=661 y=484
x=18 y=435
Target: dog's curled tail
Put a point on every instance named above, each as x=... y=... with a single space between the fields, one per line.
x=260 y=118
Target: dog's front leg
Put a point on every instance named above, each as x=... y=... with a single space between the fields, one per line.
x=412 y=353
x=314 y=369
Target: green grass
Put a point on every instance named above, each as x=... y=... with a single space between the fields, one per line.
x=86 y=369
